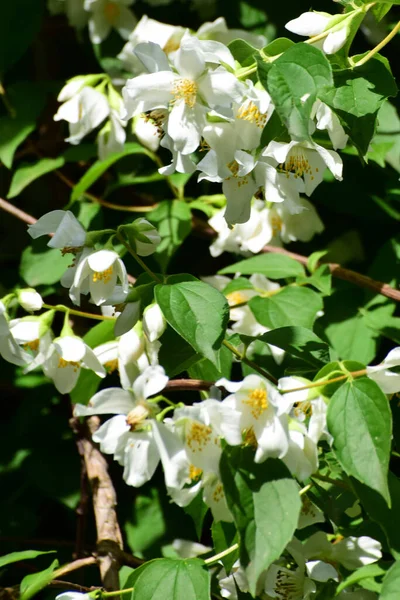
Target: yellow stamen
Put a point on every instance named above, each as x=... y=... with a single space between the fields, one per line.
x=218 y=493
x=111 y=365
x=249 y=112
x=236 y=298
x=198 y=436
x=257 y=401
x=137 y=416
x=62 y=363
x=185 y=89
x=297 y=162
x=304 y=408
x=250 y=438
x=104 y=276
x=32 y=345
x=234 y=169
x=276 y=224
x=195 y=473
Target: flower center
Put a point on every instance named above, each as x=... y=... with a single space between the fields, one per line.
x=157 y=118
x=136 y=416
x=250 y=438
x=234 y=167
x=172 y=45
x=32 y=345
x=297 y=162
x=111 y=11
x=288 y=585
x=186 y=90
x=111 y=365
x=235 y=298
x=218 y=493
x=257 y=401
x=303 y=408
x=276 y=224
x=194 y=473
x=198 y=436
x=104 y=276
x=249 y=112
x=62 y=363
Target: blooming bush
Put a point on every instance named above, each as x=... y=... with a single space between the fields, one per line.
x=180 y=317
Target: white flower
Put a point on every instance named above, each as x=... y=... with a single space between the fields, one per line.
x=199 y=429
x=112 y=136
x=236 y=579
x=218 y=30
x=98 y=273
x=188 y=93
x=30 y=299
x=84 y=112
x=64 y=360
x=146 y=236
x=257 y=404
x=305 y=160
x=240 y=173
x=129 y=435
x=327 y=119
x=154 y=322
x=310 y=513
x=34 y=336
x=315 y=23
x=388 y=381
x=106 y=15
x=351 y=552
x=189 y=549
x=68 y=232
x=168 y=37
x=73 y=596
x=122 y=355
x=9 y=348
x=294 y=220
x=76 y=14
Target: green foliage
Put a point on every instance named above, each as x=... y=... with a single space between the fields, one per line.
x=294 y=81
x=391 y=582
x=43 y=266
x=300 y=342
x=198 y=312
x=32 y=584
x=28 y=173
x=291 y=305
x=172 y=219
x=176 y=579
x=274 y=266
x=360 y=422
x=357 y=96
x=22 y=555
x=265 y=503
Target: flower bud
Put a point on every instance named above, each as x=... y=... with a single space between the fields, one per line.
x=30 y=299
x=154 y=322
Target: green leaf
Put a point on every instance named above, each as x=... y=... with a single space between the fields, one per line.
x=243 y=52
x=15 y=129
x=360 y=421
x=378 y=511
x=357 y=97
x=312 y=261
x=291 y=305
x=198 y=312
x=277 y=46
x=101 y=166
x=204 y=369
x=43 y=267
x=26 y=174
x=380 y=10
x=32 y=584
x=173 y=220
x=265 y=503
x=274 y=266
x=388 y=130
x=391 y=583
x=299 y=342
x=23 y=555
x=373 y=570
x=147 y=525
x=88 y=382
x=16 y=33
x=321 y=279
x=197 y=510
x=294 y=81
x=183 y=356
x=170 y=578
x=224 y=535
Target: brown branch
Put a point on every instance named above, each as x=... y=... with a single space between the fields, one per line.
x=74 y=566
x=379 y=287
x=186 y=385
x=109 y=538
x=17 y=212
x=71 y=586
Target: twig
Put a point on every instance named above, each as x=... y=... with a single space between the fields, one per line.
x=336 y=270
x=74 y=566
x=17 y=212
x=187 y=385
x=71 y=586
x=109 y=538
x=381 y=44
